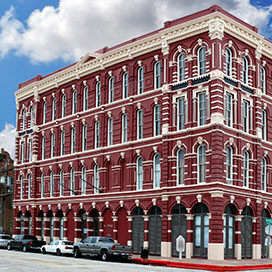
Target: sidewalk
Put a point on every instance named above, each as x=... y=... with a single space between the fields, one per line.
x=204 y=264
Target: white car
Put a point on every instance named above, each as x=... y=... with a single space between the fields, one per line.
x=58 y=247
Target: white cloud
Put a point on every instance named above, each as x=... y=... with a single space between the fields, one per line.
x=7 y=139
x=77 y=27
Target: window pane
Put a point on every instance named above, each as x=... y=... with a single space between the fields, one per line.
x=198 y=236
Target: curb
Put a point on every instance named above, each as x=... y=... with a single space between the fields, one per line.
x=201 y=266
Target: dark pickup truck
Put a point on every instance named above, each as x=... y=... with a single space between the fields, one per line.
x=25 y=243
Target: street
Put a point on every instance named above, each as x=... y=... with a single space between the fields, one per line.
x=17 y=261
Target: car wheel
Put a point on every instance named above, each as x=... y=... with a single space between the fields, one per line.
x=58 y=252
x=43 y=251
x=9 y=246
x=104 y=255
x=77 y=253
x=24 y=248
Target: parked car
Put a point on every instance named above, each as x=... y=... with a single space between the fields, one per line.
x=102 y=247
x=4 y=239
x=58 y=247
x=25 y=243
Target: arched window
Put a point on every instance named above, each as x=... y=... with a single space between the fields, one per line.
x=61 y=183
x=181 y=113
x=264 y=178
x=61 y=230
x=140 y=114
x=42 y=185
x=263 y=79
x=43 y=147
x=24 y=120
x=202 y=108
x=51 y=184
x=72 y=181
x=110 y=131
x=157 y=120
x=23 y=151
x=245 y=70
x=30 y=151
x=98 y=94
x=32 y=116
x=180 y=167
x=54 y=109
x=181 y=66
x=228 y=62
x=157 y=75
x=85 y=98
x=201 y=163
x=124 y=128
x=74 y=102
x=96 y=179
x=84 y=137
x=29 y=186
x=125 y=85
x=73 y=140
x=202 y=60
x=22 y=187
x=229 y=109
x=62 y=143
x=52 y=145
x=156 y=171
x=111 y=89
x=97 y=135
x=246 y=169
x=63 y=106
x=83 y=180
x=140 y=80
x=44 y=111
x=246 y=115
x=264 y=122
x=229 y=165
x=140 y=173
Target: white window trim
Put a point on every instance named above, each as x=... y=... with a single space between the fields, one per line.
x=44 y=112
x=264 y=175
x=229 y=181
x=29 y=186
x=83 y=180
x=264 y=125
x=124 y=127
x=155 y=121
x=62 y=143
x=263 y=79
x=182 y=76
x=43 y=147
x=157 y=75
x=22 y=187
x=73 y=140
x=51 y=184
x=245 y=77
x=84 y=137
x=54 y=109
x=98 y=94
x=85 y=98
x=178 y=176
x=42 y=185
x=72 y=181
x=198 y=164
x=61 y=184
x=125 y=85
x=111 y=89
x=74 y=102
x=97 y=134
x=53 y=145
x=96 y=179
x=140 y=81
x=230 y=69
x=156 y=183
x=198 y=60
x=110 y=131
x=140 y=136
x=139 y=186
x=63 y=106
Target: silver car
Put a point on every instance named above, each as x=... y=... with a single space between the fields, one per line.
x=4 y=239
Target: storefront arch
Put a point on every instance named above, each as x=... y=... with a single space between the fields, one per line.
x=137 y=229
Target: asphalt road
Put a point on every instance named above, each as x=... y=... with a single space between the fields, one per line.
x=17 y=261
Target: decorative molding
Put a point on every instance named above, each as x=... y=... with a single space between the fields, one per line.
x=199 y=197
x=216 y=28
x=137 y=202
x=154 y=201
x=178 y=199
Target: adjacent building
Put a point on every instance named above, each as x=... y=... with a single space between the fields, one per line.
x=166 y=134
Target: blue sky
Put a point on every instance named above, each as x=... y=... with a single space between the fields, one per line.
x=41 y=36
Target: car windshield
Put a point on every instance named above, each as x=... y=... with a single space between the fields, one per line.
x=106 y=240
x=5 y=237
x=67 y=243
x=30 y=237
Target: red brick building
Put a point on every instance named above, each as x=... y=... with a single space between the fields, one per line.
x=166 y=134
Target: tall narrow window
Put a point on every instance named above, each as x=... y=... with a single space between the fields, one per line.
x=83 y=180
x=124 y=128
x=32 y=116
x=201 y=163
x=23 y=151
x=52 y=145
x=229 y=110
x=96 y=179
x=264 y=121
x=181 y=113
x=73 y=140
x=229 y=165
x=125 y=85
x=98 y=94
x=29 y=185
x=51 y=184
x=51 y=229
x=85 y=98
x=111 y=89
x=72 y=181
x=44 y=111
x=54 y=109
x=62 y=143
x=43 y=147
x=30 y=151
x=202 y=60
x=63 y=106
x=74 y=102
x=157 y=75
x=263 y=79
x=139 y=124
x=84 y=137
x=180 y=167
x=157 y=120
x=22 y=187
x=245 y=116
x=156 y=171
x=202 y=109
x=139 y=174
x=61 y=229
x=30 y=225
x=245 y=70
x=181 y=67
x=263 y=182
x=110 y=131
x=141 y=80
x=61 y=183
x=228 y=62
x=42 y=228
x=42 y=185
x=97 y=135
x=246 y=169
x=24 y=120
